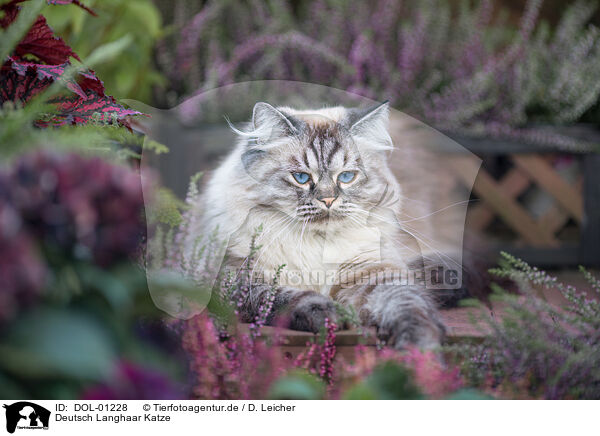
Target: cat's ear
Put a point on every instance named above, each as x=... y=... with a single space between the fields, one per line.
x=371 y=126
x=266 y=116
x=268 y=125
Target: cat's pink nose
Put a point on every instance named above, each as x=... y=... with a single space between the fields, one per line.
x=328 y=201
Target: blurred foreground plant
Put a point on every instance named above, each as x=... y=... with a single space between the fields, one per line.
x=73 y=300
x=75 y=315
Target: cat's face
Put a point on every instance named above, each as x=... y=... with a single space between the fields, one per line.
x=329 y=165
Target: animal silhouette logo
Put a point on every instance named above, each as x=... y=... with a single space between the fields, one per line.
x=26 y=415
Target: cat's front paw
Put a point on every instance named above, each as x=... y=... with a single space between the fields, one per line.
x=310 y=312
x=426 y=333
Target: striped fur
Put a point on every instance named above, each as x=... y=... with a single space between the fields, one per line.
x=255 y=186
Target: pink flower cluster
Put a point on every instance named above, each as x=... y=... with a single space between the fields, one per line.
x=238 y=365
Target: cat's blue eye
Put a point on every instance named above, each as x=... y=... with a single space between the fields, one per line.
x=346 y=176
x=301 y=178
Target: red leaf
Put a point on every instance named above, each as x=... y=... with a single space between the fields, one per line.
x=41 y=73
x=20 y=81
x=11 y=11
x=41 y=42
x=78 y=110
x=89 y=81
x=22 y=84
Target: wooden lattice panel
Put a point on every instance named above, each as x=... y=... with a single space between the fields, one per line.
x=500 y=197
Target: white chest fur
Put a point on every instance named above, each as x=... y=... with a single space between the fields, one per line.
x=312 y=256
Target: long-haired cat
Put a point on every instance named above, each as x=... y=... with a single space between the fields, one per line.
x=319 y=184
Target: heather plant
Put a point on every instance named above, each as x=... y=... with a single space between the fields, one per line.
x=318 y=358
x=460 y=70
x=534 y=350
x=229 y=365
x=426 y=375
x=235 y=364
x=537 y=349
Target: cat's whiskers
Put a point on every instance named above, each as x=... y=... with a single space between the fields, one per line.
x=438 y=211
x=411 y=232
x=423 y=239
x=387 y=199
x=393 y=235
x=355 y=219
x=305 y=222
x=348 y=209
x=272 y=226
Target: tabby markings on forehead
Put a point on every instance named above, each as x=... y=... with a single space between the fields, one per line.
x=324 y=144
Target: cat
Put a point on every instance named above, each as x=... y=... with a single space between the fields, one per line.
x=319 y=184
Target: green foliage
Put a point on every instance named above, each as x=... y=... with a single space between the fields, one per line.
x=79 y=333
x=298 y=385
x=468 y=394
x=389 y=381
x=347 y=315
x=176 y=294
x=168 y=208
x=18 y=134
x=131 y=74
x=48 y=343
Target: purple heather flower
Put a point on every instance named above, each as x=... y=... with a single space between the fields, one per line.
x=453 y=70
